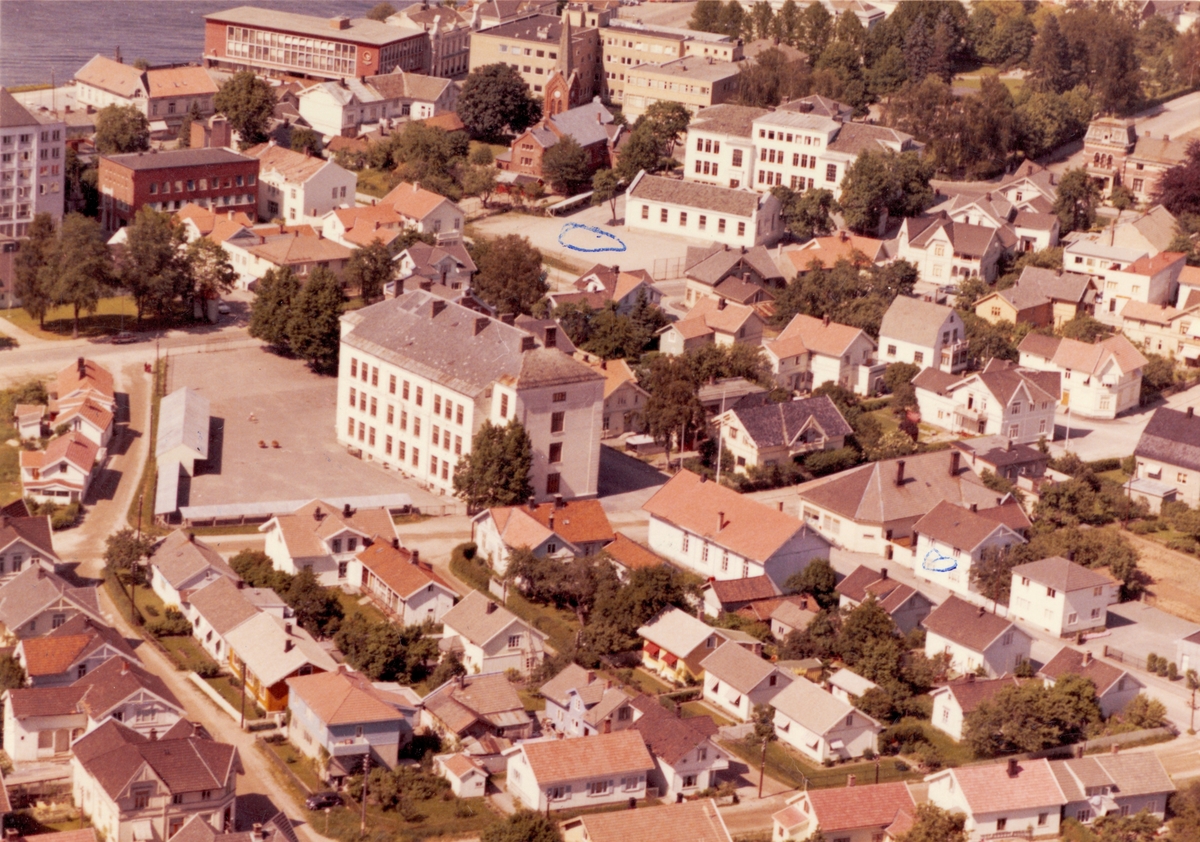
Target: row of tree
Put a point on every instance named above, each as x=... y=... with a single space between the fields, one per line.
x=300 y=318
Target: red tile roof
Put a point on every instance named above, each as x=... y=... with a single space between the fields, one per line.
x=991 y=789
x=852 y=807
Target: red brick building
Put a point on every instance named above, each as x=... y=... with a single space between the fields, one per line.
x=590 y=125
x=283 y=43
x=220 y=179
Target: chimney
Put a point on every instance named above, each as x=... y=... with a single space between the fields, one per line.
x=1012 y=767
x=1008 y=445
x=1166 y=137
x=287 y=628
x=287 y=645
x=780 y=505
x=974 y=508
x=318 y=514
x=480 y=323
x=532 y=504
x=508 y=318
x=982 y=611
x=883 y=574
x=899 y=472
x=491 y=607
x=954 y=460
x=851 y=780
x=1070 y=555
x=117 y=56
x=1190 y=411
x=558 y=501
x=720 y=303
x=970 y=678
x=81 y=366
x=1116 y=749
x=528 y=343
x=803 y=603
x=415 y=557
x=550 y=521
x=395 y=543
x=124 y=666
x=240 y=584
x=720 y=521
x=191 y=537
x=153 y=735
x=551 y=337
x=438 y=306
x=1087 y=658
x=616 y=270
x=346 y=510
x=843 y=235
x=340 y=22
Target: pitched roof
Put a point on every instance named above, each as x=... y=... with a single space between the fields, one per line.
x=1172 y=437
x=968 y=625
x=73 y=447
x=1129 y=774
x=45 y=701
x=413 y=201
x=471 y=619
x=851 y=682
x=819 y=336
x=575 y=521
x=181 y=556
x=116 y=680
x=114 y=753
x=692 y=194
x=632 y=555
x=283 y=251
x=989 y=788
x=1081 y=356
x=176 y=158
x=727 y=119
x=180 y=81
x=1063 y=575
x=261 y=642
x=585 y=123
x=573 y=677
x=829 y=250
x=746 y=589
x=294 y=167
x=401 y=85
x=222 y=605
x=970 y=692
x=12 y=113
x=490 y=697
x=397 y=569
x=869 y=493
x=34 y=531
x=454 y=346
x=914 y=320
x=30 y=591
x=747 y=527
x=116 y=77
x=341 y=698
x=690 y=821
x=712 y=264
x=68 y=644
x=678 y=632
x=956 y=526
x=737 y=666
x=602 y=754
x=1068 y=661
x=669 y=737
x=850 y=807
x=1037 y=284
x=814 y=708
x=853 y=138
x=305 y=529
x=794 y=611
x=780 y=424
x=96 y=415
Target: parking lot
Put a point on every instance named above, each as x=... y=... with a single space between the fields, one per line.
x=269 y=400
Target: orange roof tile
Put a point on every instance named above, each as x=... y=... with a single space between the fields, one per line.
x=829 y=250
x=820 y=336
x=847 y=808
x=339 y=698
x=577 y=521
x=412 y=200
x=94 y=377
x=632 y=555
x=1154 y=265
x=180 y=81
x=397 y=569
x=603 y=754
x=293 y=166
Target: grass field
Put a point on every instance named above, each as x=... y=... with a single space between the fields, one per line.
x=373 y=182
x=111 y=316
x=689 y=709
x=973 y=79
x=298 y=763
x=787 y=765
x=232 y=693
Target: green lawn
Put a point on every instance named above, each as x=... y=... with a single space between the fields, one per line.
x=232 y=693
x=971 y=79
x=532 y=701
x=689 y=709
x=787 y=765
x=235 y=529
x=148 y=604
x=350 y=605
x=300 y=764
x=1115 y=475
x=887 y=419
x=373 y=182
x=112 y=315
x=141 y=508
x=643 y=682
x=953 y=754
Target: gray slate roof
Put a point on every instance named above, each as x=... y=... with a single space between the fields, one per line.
x=34 y=588
x=445 y=347
x=222 y=606
x=1063 y=575
x=172 y=158
x=775 y=424
x=585 y=123
x=854 y=138
x=727 y=119
x=12 y=113
x=471 y=619
x=1172 y=437
x=713 y=264
x=914 y=320
x=179 y=558
x=690 y=194
x=1037 y=286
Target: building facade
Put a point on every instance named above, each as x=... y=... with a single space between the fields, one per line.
x=32 y=161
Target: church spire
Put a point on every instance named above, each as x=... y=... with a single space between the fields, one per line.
x=564 y=48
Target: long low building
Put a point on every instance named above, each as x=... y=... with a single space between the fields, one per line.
x=735 y=217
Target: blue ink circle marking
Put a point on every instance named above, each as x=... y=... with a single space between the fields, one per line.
x=938 y=563
x=600 y=233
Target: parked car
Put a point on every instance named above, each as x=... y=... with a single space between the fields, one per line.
x=322 y=801
x=125 y=337
x=223 y=308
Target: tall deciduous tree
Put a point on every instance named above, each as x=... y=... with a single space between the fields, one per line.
x=368 y=269
x=314 y=325
x=211 y=272
x=32 y=286
x=933 y=824
x=510 y=277
x=272 y=307
x=706 y=16
x=494 y=100
x=1078 y=196
x=807 y=214
x=124 y=549
x=566 y=166
x=121 y=128
x=1179 y=187
x=992 y=574
x=304 y=139
x=247 y=102
x=673 y=409
x=884 y=181
x=818 y=580
x=80 y=266
x=606 y=187
x=479 y=180
x=496 y=471
x=155 y=268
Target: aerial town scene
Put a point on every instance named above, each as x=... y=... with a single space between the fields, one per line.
x=599 y=420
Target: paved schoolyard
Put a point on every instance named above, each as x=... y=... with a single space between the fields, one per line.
x=258 y=396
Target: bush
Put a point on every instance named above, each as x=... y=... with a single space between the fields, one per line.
x=1152 y=662
x=1183 y=545
x=173 y=624
x=206 y=669
x=1099 y=466
x=468 y=550
x=1172 y=671
x=831 y=461
x=1145 y=527
x=875 y=404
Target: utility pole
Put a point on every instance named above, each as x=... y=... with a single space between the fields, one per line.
x=362 y=827
x=762 y=767
x=243 y=725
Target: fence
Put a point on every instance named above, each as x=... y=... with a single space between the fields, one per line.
x=1125 y=658
x=1099 y=743
x=279 y=763
x=668 y=269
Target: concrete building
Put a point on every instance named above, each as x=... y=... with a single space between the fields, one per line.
x=693 y=82
x=276 y=43
x=923 y=333
x=162 y=94
x=32 y=167
x=1062 y=597
x=449 y=36
x=542 y=46
x=705 y=212
x=431 y=372
x=1100 y=380
x=220 y=179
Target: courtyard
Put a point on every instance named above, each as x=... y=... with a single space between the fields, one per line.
x=272 y=399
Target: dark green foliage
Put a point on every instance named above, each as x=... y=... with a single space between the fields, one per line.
x=209 y=268
x=449 y=667
x=34 y=288
x=121 y=129
x=884 y=181
x=1084 y=328
x=772 y=77
x=385 y=651
x=247 y=102
x=123 y=551
x=992 y=574
x=172 y=624
x=305 y=140
x=1179 y=187
x=12 y=674
x=1032 y=717
x=1050 y=59
x=852 y=292
x=314 y=322
x=651 y=139
x=933 y=824
x=316 y=607
x=817 y=580
x=510 y=277
x=400 y=790
x=827 y=462
x=369 y=268
x=898 y=380
x=807 y=214
x=673 y=409
x=1158 y=375
x=257 y=570
x=494 y=100
x=1185 y=813
x=496 y=471
x=608 y=334
x=381 y=11
x=79 y=267
x=566 y=166
x=618 y=611
x=154 y=266
x=606 y=187
x=522 y=826
x=272 y=307
x=185 y=125
x=818 y=640
x=1078 y=197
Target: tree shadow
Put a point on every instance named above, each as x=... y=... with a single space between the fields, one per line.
x=103 y=486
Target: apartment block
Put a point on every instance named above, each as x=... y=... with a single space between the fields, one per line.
x=32 y=156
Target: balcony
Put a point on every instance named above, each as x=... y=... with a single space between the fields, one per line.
x=348 y=746
x=1027 y=833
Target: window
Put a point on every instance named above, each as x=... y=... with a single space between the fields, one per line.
x=343 y=566
x=559 y=397
x=556 y=452
x=1001 y=823
x=684 y=543
x=404 y=393
x=514 y=641
x=556 y=422
x=662 y=215
x=1042 y=818
x=504 y=406
x=831 y=172
x=1008 y=638
x=737 y=157
x=683 y=218
x=1051 y=592
x=437 y=404
x=374 y=407
x=141 y=799
x=741 y=229
x=645 y=211
x=552 y=483
x=458 y=414
x=599 y=787
x=689 y=781
x=918 y=357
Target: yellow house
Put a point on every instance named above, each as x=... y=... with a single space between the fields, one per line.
x=674 y=643
x=1040 y=297
x=1163 y=330
x=695 y=82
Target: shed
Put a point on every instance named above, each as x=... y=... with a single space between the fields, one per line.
x=183 y=419
x=1151 y=492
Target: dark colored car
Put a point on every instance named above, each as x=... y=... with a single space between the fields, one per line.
x=125 y=337
x=323 y=801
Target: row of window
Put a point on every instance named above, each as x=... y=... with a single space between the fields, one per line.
x=191 y=184
x=702 y=220
x=371 y=373
x=771 y=134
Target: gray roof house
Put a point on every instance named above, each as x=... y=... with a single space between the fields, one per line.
x=922 y=332
x=224 y=604
x=271 y=650
x=182 y=435
x=490 y=637
x=35 y=600
x=735 y=680
x=1106 y=784
x=181 y=564
x=1169 y=450
x=776 y=432
x=821 y=725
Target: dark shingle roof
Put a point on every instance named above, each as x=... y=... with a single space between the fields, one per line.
x=12 y=113
x=668 y=737
x=692 y=194
x=177 y=158
x=775 y=424
x=727 y=119
x=1070 y=661
x=966 y=624
x=1172 y=437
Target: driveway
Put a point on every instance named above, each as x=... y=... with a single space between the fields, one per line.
x=1100 y=439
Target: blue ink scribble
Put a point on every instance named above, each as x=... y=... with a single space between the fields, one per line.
x=938 y=563
x=600 y=240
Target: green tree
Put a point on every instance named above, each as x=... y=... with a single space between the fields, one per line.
x=211 y=272
x=314 y=325
x=763 y=734
x=522 y=826
x=673 y=409
x=1078 y=196
x=706 y=16
x=992 y=574
x=933 y=824
x=155 y=268
x=451 y=666
x=121 y=129
x=818 y=580
x=316 y=607
x=1178 y=189
x=124 y=550
x=762 y=18
x=1144 y=712
x=12 y=674
x=606 y=187
x=867 y=623
x=368 y=269
x=479 y=180
x=496 y=471
x=807 y=214
x=80 y=266
x=304 y=139
x=185 y=125
x=566 y=166
x=884 y=181
x=383 y=650
x=248 y=103
x=815 y=29
x=494 y=100
x=32 y=285
x=617 y=614
x=641 y=152
x=381 y=11
x=481 y=155
x=510 y=277
x=1050 y=59
x=272 y=307
x=1185 y=813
